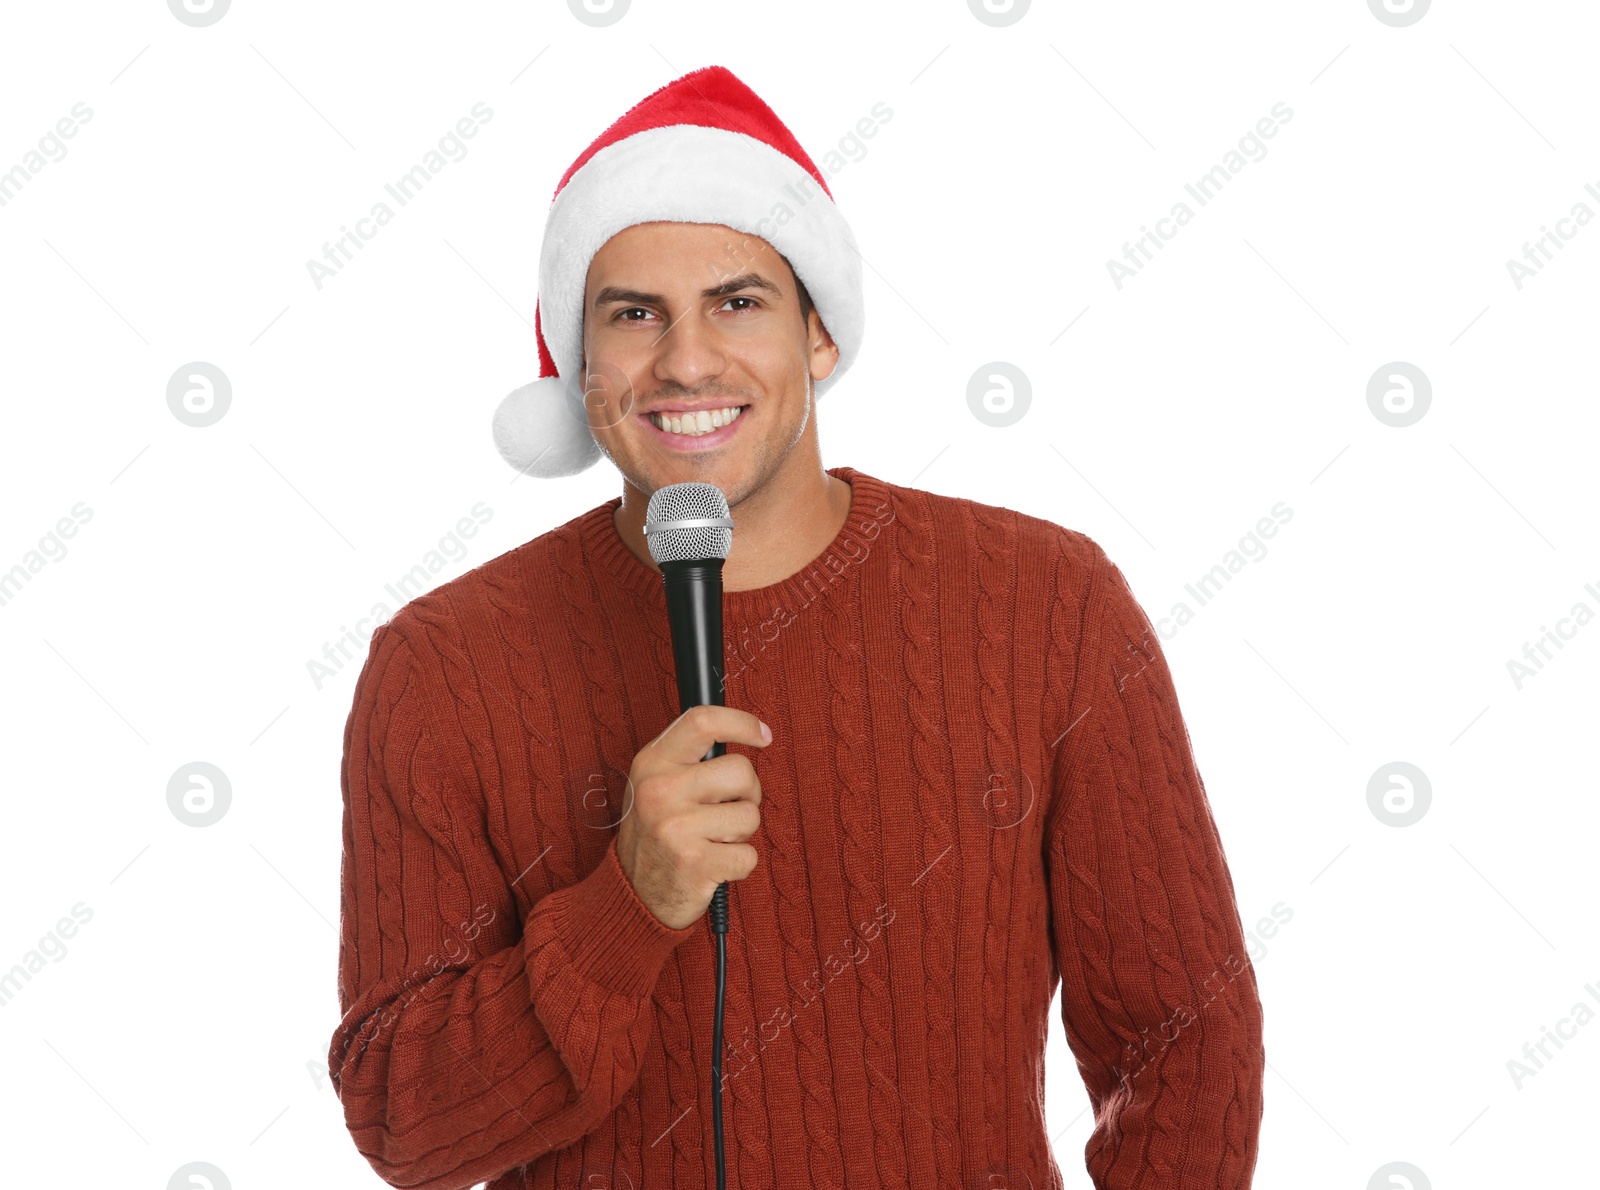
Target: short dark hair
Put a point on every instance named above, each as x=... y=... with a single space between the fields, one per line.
x=800 y=291
x=805 y=301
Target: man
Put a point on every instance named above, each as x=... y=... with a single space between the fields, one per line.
x=957 y=773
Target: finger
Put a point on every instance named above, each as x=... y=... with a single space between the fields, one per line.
x=727 y=822
x=691 y=735
x=734 y=861
x=726 y=778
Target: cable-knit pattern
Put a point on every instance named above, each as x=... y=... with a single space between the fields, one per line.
x=545 y=862
x=741 y=1096
x=672 y=1030
x=581 y=601
x=512 y=1012
x=388 y=743
x=1223 y=934
x=446 y=647
x=1064 y=633
x=747 y=1124
x=515 y=622
x=861 y=839
x=599 y=661
x=438 y=1061
x=800 y=951
x=996 y=565
x=921 y=668
x=683 y=1129
x=1074 y=854
x=1062 y=628
x=1170 y=989
x=1136 y=819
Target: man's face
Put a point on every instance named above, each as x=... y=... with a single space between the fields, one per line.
x=690 y=321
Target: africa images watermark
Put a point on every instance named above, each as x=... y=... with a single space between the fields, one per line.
x=1566 y=1028
x=1137 y=255
x=451 y=147
x=345 y=649
x=434 y=966
x=821 y=573
x=848 y=150
x=51 y=548
x=1537 y=652
x=1167 y=1031
x=1203 y=590
x=51 y=148
x=1180 y=1019
x=52 y=946
x=794 y=196
x=810 y=988
x=1537 y=254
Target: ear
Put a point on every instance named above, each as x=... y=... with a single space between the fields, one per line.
x=822 y=352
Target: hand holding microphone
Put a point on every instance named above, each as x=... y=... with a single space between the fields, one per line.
x=686 y=829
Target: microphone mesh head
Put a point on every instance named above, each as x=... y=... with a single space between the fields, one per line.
x=692 y=502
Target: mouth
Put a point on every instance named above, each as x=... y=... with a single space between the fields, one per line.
x=698 y=430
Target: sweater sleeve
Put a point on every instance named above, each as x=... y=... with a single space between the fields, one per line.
x=470 y=1043
x=1159 y=999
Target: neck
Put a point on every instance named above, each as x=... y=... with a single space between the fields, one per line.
x=777 y=528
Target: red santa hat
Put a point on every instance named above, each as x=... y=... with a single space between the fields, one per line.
x=704 y=148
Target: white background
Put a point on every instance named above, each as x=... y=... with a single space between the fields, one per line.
x=189 y=1019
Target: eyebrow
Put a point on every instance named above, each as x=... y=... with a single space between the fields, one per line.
x=634 y=297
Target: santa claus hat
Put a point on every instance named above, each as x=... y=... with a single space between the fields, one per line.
x=704 y=148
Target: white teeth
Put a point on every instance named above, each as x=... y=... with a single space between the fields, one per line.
x=692 y=425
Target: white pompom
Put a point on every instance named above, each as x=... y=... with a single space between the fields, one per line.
x=540 y=432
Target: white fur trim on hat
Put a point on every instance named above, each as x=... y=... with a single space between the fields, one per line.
x=686 y=173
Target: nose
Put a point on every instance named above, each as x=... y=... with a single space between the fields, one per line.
x=689 y=352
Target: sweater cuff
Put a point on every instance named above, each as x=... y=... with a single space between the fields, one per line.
x=611 y=936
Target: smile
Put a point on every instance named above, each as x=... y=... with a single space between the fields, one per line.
x=697 y=424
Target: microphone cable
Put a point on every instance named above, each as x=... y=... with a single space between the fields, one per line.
x=719 y=934
x=719 y=931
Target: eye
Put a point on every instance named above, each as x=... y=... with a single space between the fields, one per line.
x=751 y=300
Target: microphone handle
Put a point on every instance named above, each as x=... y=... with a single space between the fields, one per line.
x=694 y=617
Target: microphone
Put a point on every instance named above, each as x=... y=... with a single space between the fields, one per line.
x=689 y=530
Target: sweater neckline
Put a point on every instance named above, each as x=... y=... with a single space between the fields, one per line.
x=871 y=511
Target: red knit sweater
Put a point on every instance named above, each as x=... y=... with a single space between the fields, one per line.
x=979 y=786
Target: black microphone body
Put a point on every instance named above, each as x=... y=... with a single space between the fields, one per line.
x=694 y=617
